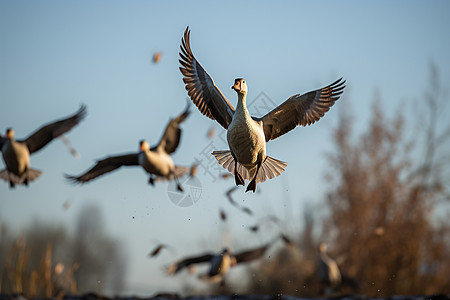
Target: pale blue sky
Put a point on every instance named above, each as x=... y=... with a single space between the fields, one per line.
x=55 y=55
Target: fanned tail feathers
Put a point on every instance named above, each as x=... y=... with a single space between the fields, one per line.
x=226 y=160
x=270 y=168
x=13 y=179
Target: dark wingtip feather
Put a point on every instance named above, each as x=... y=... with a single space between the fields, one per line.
x=72 y=179
x=82 y=112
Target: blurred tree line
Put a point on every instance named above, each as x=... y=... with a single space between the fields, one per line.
x=47 y=261
x=387 y=221
x=386 y=224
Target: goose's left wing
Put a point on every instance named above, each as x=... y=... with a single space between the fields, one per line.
x=301 y=110
x=104 y=166
x=172 y=134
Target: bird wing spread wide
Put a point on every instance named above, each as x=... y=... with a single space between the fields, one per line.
x=301 y=110
x=47 y=133
x=106 y=165
x=172 y=135
x=201 y=88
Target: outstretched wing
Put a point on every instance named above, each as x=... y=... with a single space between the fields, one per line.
x=104 y=166
x=47 y=133
x=201 y=88
x=301 y=110
x=250 y=255
x=172 y=134
x=180 y=265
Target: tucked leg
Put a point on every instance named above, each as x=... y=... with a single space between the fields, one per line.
x=252 y=185
x=237 y=177
x=179 y=188
x=151 y=180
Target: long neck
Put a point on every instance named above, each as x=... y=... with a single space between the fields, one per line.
x=241 y=105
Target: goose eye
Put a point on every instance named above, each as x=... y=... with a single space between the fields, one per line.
x=243 y=81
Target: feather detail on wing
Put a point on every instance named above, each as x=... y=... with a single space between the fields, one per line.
x=301 y=110
x=201 y=88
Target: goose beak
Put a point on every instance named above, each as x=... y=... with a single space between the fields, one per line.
x=142 y=145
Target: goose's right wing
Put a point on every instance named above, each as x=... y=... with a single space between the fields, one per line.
x=104 y=166
x=180 y=265
x=201 y=88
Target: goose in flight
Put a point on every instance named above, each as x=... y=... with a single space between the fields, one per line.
x=155 y=160
x=247 y=135
x=330 y=276
x=219 y=263
x=16 y=153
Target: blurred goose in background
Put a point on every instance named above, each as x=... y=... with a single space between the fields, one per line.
x=330 y=275
x=247 y=135
x=328 y=270
x=156 y=160
x=16 y=153
x=220 y=263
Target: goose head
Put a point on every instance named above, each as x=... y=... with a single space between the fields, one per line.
x=9 y=133
x=143 y=145
x=240 y=86
x=323 y=248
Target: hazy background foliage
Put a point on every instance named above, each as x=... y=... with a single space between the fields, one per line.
x=48 y=260
x=384 y=217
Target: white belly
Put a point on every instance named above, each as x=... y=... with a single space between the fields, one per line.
x=16 y=157
x=158 y=163
x=246 y=141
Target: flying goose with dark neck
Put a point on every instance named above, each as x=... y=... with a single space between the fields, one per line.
x=247 y=135
x=16 y=153
x=155 y=160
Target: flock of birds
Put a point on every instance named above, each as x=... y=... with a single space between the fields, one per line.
x=246 y=158
x=246 y=135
